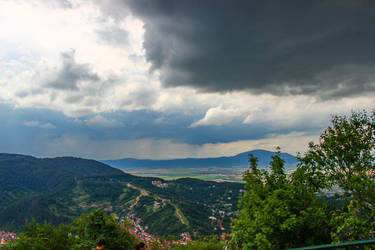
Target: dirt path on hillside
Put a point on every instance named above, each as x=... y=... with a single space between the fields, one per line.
x=180 y=215
x=178 y=212
x=143 y=193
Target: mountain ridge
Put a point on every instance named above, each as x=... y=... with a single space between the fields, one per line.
x=239 y=160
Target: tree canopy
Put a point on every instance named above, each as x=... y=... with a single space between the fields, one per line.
x=83 y=234
x=277 y=211
x=344 y=161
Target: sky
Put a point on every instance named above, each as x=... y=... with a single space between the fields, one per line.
x=161 y=79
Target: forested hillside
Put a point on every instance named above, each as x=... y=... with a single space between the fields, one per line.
x=60 y=189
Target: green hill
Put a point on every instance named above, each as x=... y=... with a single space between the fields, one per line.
x=60 y=189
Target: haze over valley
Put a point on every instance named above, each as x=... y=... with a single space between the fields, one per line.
x=229 y=168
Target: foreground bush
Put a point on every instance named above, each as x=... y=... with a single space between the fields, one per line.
x=278 y=212
x=83 y=234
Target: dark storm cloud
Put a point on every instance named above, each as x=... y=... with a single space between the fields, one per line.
x=322 y=47
x=72 y=73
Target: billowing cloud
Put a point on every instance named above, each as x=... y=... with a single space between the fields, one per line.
x=217 y=117
x=321 y=48
x=51 y=57
x=71 y=74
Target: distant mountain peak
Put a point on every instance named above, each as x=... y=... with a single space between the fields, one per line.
x=239 y=160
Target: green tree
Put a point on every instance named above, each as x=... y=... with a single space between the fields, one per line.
x=84 y=234
x=344 y=161
x=97 y=225
x=43 y=237
x=278 y=212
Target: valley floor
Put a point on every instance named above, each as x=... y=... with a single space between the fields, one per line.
x=207 y=174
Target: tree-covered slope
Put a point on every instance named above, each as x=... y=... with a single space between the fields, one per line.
x=60 y=189
x=47 y=173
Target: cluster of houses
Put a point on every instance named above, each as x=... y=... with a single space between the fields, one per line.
x=221 y=210
x=185 y=238
x=219 y=220
x=160 y=203
x=159 y=184
x=140 y=232
x=5 y=237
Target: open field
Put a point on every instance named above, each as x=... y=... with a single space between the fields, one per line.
x=207 y=174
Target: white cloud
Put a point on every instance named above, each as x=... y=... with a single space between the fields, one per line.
x=100 y=121
x=32 y=40
x=278 y=112
x=218 y=116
